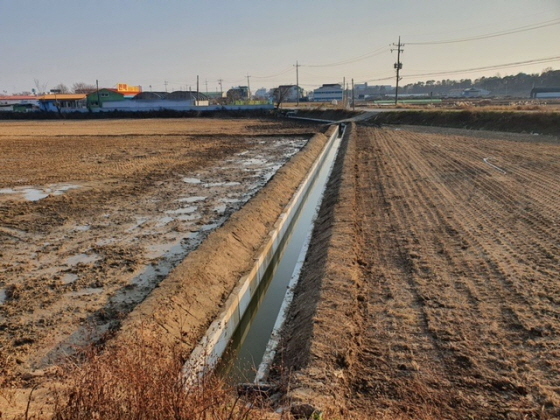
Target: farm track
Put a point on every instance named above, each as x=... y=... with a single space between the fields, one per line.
x=458 y=299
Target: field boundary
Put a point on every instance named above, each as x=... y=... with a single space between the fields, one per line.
x=508 y=121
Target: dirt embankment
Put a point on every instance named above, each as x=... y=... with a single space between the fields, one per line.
x=325 y=114
x=321 y=328
x=431 y=290
x=517 y=122
x=187 y=301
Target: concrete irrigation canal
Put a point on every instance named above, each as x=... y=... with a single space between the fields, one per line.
x=241 y=342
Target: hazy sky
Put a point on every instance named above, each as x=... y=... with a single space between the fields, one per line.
x=149 y=42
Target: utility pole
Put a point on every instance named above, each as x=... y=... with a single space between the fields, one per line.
x=353 y=98
x=248 y=88
x=98 y=99
x=165 y=83
x=398 y=67
x=297 y=82
x=206 y=82
x=220 y=83
x=344 y=92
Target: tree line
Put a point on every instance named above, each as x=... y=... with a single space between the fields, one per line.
x=518 y=85
x=42 y=88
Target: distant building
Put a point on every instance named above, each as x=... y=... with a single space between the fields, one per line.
x=155 y=96
x=63 y=102
x=550 y=92
x=127 y=90
x=239 y=93
x=475 y=93
x=18 y=103
x=197 y=98
x=215 y=97
x=328 y=93
x=455 y=93
x=287 y=93
x=156 y=101
x=363 y=91
x=262 y=93
x=98 y=98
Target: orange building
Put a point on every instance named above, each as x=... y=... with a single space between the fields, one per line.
x=127 y=89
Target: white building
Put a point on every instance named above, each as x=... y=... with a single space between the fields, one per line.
x=547 y=92
x=262 y=93
x=328 y=93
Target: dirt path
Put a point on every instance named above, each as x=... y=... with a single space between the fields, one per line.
x=455 y=310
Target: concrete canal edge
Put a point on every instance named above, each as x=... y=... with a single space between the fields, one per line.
x=214 y=343
x=184 y=305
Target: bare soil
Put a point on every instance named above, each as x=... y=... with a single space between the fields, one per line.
x=431 y=288
x=96 y=214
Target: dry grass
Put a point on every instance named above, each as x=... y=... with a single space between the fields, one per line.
x=142 y=380
x=488 y=105
x=485 y=105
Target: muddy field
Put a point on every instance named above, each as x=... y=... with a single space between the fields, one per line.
x=94 y=214
x=437 y=296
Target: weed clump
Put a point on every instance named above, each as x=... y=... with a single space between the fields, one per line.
x=143 y=380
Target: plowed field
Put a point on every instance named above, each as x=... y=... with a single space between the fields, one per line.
x=445 y=302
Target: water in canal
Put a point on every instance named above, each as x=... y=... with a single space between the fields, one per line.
x=248 y=344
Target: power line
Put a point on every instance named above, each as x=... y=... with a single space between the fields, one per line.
x=286 y=70
x=493 y=67
x=317 y=76
x=476 y=69
x=493 y=34
x=297 y=81
x=351 y=60
x=380 y=79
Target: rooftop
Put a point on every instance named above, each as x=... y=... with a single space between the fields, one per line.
x=63 y=97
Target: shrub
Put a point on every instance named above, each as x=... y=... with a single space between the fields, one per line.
x=142 y=380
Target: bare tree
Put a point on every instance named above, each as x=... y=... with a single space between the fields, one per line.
x=281 y=93
x=81 y=87
x=40 y=86
x=62 y=88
